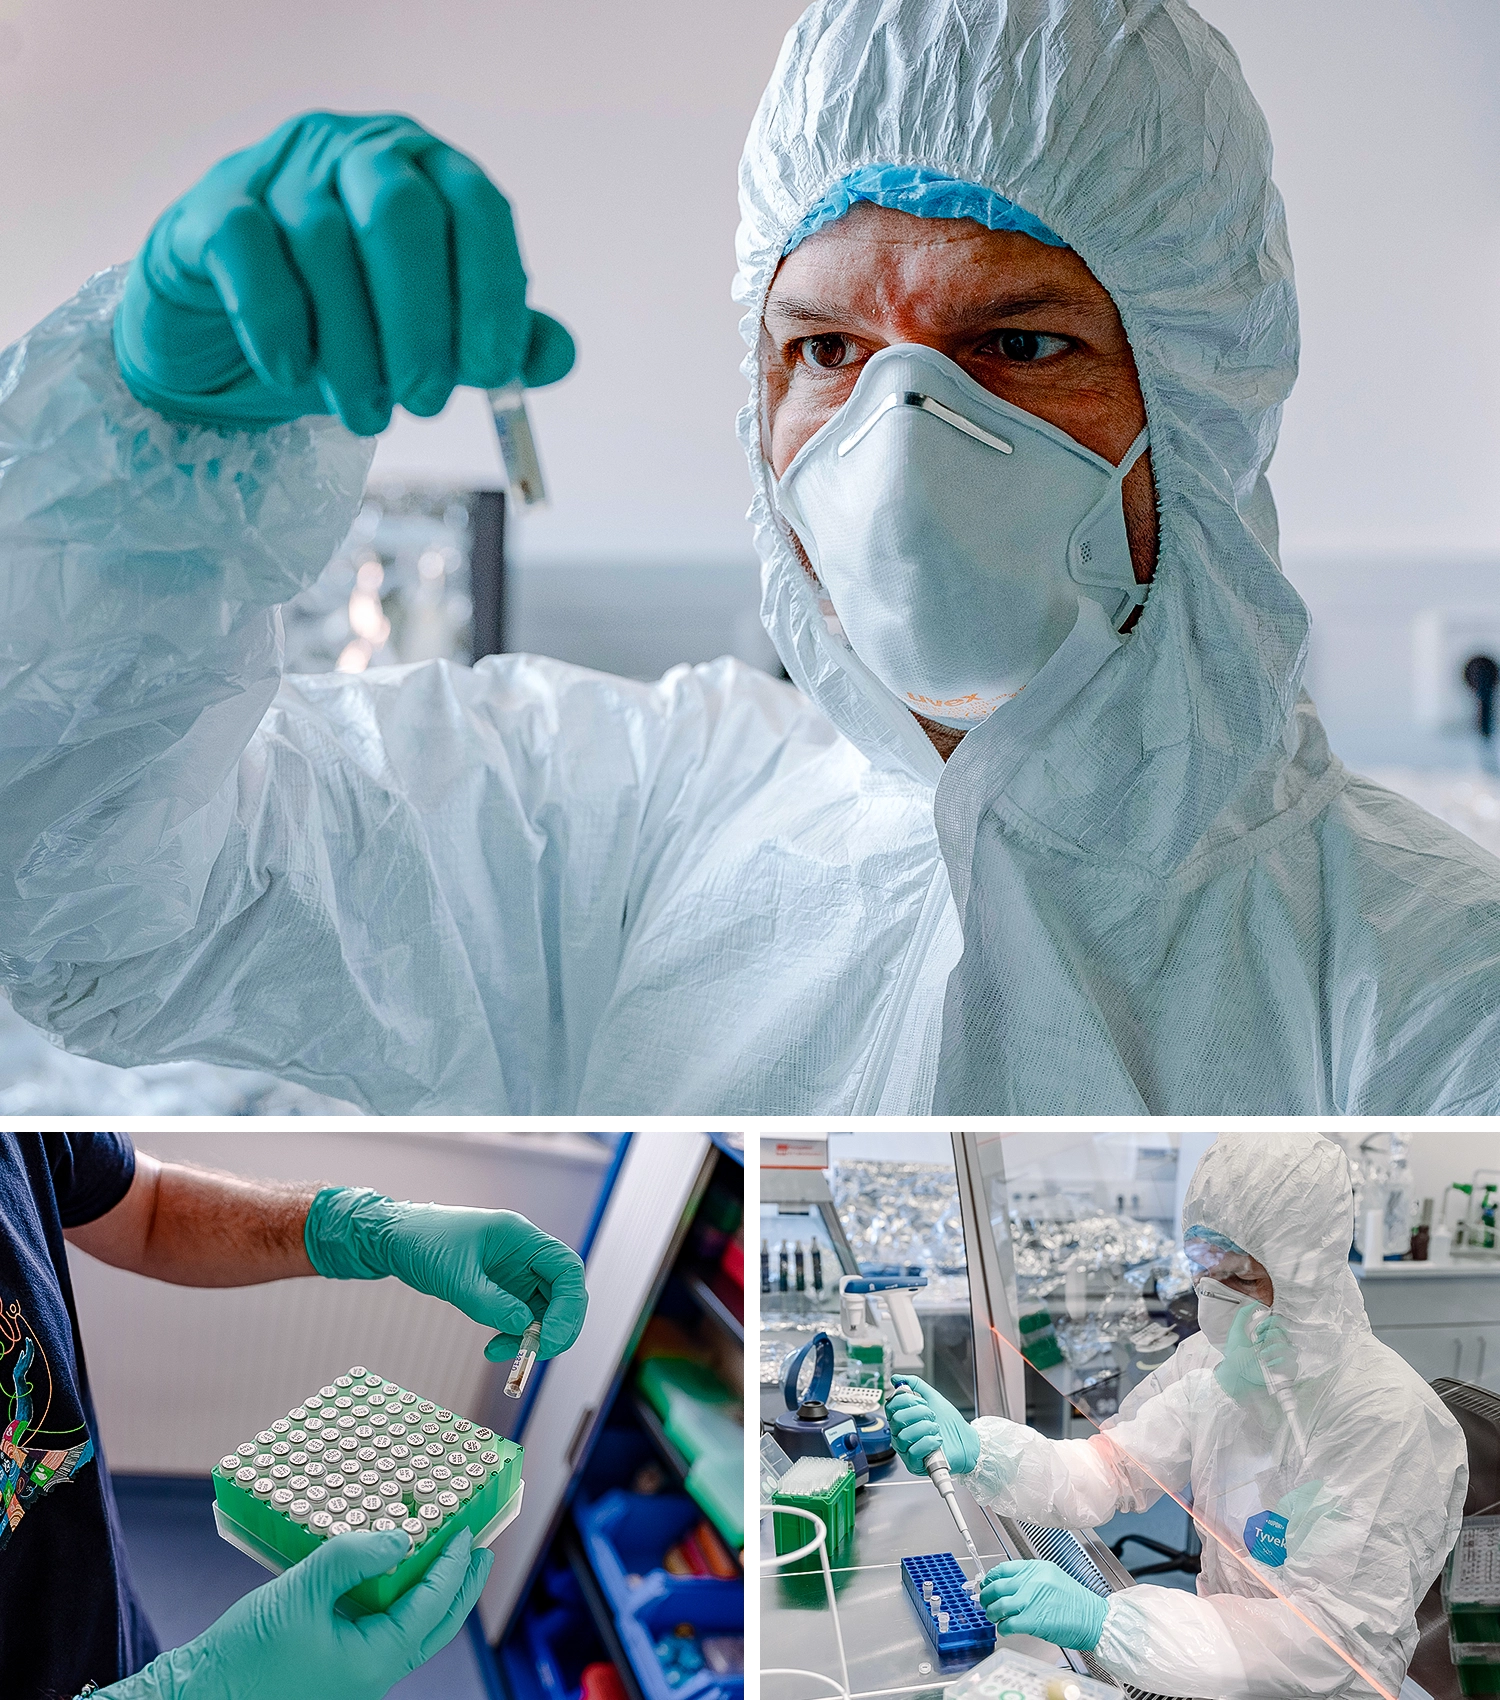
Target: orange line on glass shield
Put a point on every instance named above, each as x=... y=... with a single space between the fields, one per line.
x=1241 y=1559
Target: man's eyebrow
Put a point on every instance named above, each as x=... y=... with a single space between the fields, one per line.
x=806 y=310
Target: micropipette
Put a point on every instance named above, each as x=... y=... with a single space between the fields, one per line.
x=520 y=1370
x=936 y=1466
x=523 y=471
x=1277 y=1385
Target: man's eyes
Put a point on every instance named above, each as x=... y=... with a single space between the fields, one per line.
x=833 y=351
x=827 y=353
x=1026 y=347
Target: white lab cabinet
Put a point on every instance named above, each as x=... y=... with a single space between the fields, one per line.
x=1444 y=1320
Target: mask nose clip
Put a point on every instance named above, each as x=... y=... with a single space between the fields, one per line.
x=924 y=404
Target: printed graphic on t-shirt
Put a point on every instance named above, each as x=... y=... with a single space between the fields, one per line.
x=39 y=1449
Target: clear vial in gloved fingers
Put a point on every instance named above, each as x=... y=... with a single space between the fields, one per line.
x=520 y=1370
x=523 y=469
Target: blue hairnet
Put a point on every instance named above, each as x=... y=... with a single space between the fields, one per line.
x=928 y=194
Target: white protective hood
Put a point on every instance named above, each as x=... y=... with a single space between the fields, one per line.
x=1173 y=898
x=1095 y=117
x=1288 y=1200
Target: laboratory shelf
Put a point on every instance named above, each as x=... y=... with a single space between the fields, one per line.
x=605 y=1620
x=719 y=1299
x=632 y=1503
x=652 y=1424
x=628 y=1535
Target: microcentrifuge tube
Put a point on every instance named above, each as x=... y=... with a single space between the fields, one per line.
x=942 y=1618
x=523 y=471
x=520 y=1370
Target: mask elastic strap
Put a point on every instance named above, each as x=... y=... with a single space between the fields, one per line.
x=1134 y=453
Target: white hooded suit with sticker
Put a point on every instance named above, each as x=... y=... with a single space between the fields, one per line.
x=529 y=888
x=1368 y=1503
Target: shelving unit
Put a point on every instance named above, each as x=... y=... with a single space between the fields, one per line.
x=592 y=1600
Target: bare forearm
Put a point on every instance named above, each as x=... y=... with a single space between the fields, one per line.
x=199 y=1228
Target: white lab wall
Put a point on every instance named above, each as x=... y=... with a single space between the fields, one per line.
x=616 y=131
x=180 y=1374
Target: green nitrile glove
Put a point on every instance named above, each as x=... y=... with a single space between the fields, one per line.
x=1257 y=1337
x=1032 y=1596
x=287 y=1638
x=493 y=1265
x=921 y=1420
x=345 y=263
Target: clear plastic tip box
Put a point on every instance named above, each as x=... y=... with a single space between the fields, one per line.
x=968 y=1631
x=1009 y=1675
x=366 y=1454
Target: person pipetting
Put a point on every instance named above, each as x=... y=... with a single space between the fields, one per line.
x=1326 y=1478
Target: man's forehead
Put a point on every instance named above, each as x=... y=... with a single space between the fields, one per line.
x=876 y=256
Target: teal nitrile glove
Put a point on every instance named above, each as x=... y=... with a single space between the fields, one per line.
x=343 y=264
x=1031 y=1596
x=492 y=1265
x=1256 y=1336
x=921 y=1419
x=287 y=1638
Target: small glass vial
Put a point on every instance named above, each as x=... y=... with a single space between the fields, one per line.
x=520 y=1370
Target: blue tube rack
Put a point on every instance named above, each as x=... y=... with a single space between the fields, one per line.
x=969 y=1631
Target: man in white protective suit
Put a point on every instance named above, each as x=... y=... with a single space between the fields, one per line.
x=1023 y=838
x=1326 y=1479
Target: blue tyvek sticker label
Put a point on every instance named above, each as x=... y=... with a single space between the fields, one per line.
x=1265 y=1538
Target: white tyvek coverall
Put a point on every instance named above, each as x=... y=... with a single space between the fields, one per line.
x=531 y=889
x=1382 y=1478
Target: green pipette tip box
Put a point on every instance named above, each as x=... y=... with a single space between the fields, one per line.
x=365 y=1453
x=832 y=1500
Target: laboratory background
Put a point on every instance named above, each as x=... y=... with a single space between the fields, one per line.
x=1042 y=1276
x=616 y=136
x=619 y=1574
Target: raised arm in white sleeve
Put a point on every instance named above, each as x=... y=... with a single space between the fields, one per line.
x=408 y=888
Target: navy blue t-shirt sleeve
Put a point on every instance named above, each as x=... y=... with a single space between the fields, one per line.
x=91 y=1173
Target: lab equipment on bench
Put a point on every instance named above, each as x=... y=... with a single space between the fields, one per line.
x=1474 y=1234
x=1471 y=1598
x=809 y=1428
x=523 y=469
x=1011 y=1675
x=823 y=1486
x=365 y=1453
x=936 y=1466
x=951 y=1619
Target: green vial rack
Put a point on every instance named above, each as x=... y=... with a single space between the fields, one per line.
x=365 y=1453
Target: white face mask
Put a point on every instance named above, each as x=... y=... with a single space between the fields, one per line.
x=1216 y=1307
x=955 y=533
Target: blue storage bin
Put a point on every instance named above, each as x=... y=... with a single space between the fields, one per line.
x=628 y=1534
x=969 y=1633
x=661 y=1603
x=532 y=1657
x=613 y=1459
